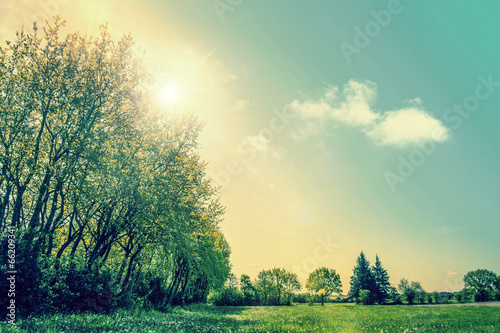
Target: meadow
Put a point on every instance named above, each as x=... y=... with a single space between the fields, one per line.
x=296 y=318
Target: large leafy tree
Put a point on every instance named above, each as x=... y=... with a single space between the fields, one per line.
x=97 y=179
x=381 y=281
x=481 y=282
x=325 y=279
x=362 y=278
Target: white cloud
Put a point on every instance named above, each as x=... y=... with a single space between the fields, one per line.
x=406 y=126
x=310 y=109
x=354 y=110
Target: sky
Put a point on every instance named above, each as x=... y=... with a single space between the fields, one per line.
x=331 y=127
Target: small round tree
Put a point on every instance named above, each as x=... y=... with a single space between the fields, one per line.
x=324 y=282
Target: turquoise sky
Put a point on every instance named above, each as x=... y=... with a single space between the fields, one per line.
x=333 y=128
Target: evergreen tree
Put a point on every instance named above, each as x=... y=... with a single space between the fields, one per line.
x=381 y=281
x=362 y=278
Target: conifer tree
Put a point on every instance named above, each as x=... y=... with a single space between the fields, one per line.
x=381 y=281
x=362 y=278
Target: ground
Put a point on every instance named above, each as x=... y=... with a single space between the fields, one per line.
x=297 y=318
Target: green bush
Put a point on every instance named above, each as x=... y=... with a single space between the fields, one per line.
x=364 y=297
x=300 y=298
x=227 y=296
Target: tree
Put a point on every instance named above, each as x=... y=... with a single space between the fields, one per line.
x=291 y=284
x=276 y=283
x=381 y=281
x=481 y=282
x=264 y=285
x=105 y=188
x=324 y=278
x=362 y=278
x=248 y=290
x=394 y=295
x=411 y=290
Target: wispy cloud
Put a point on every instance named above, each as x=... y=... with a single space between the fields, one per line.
x=263 y=145
x=353 y=107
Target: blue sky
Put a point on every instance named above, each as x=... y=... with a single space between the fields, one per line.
x=332 y=127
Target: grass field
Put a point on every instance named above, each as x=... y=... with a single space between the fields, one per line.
x=298 y=318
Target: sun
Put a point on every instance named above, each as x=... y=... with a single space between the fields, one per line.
x=170 y=93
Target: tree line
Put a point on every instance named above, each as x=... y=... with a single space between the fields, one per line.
x=369 y=284
x=106 y=191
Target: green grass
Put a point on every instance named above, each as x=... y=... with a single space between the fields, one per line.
x=298 y=318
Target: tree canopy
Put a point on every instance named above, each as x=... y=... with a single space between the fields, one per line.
x=105 y=188
x=325 y=279
x=482 y=282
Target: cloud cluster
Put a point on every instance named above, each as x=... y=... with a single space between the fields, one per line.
x=353 y=107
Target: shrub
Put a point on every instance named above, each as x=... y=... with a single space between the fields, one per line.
x=227 y=296
x=300 y=298
x=364 y=297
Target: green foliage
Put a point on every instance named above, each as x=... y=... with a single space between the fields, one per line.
x=411 y=291
x=276 y=286
x=101 y=183
x=482 y=283
x=364 y=297
x=381 y=277
x=250 y=296
x=226 y=296
x=437 y=297
x=325 y=279
x=362 y=278
x=465 y=296
x=300 y=318
x=394 y=295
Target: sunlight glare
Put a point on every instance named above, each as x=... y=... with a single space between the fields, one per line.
x=170 y=93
